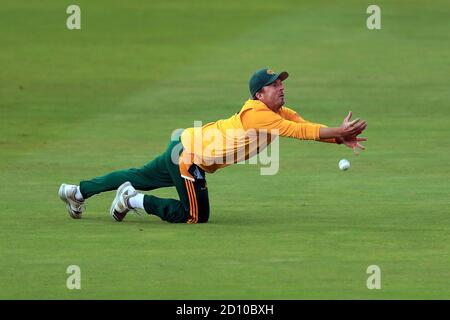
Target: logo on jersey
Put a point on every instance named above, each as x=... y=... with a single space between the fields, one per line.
x=196 y=173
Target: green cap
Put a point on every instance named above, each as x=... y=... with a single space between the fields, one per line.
x=264 y=77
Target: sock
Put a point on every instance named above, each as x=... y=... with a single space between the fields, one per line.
x=78 y=195
x=137 y=202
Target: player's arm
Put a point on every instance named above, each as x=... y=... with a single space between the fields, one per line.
x=348 y=131
x=271 y=121
x=266 y=119
x=330 y=135
x=289 y=114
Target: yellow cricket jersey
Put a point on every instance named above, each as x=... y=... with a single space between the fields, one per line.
x=219 y=144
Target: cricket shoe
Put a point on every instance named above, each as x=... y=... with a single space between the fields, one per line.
x=67 y=194
x=120 y=205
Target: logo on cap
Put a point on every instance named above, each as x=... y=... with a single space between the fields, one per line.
x=270 y=71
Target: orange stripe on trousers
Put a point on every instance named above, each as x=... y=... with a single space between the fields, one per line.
x=193 y=207
x=195 y=201
x=190 y=201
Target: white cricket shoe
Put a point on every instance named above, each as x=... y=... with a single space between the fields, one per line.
x=67 y=194
x=120 y=205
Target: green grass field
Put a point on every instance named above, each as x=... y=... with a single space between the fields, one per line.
x=81 y=103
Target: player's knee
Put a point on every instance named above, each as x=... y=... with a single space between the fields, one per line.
x=203 y=216
x=205 y=220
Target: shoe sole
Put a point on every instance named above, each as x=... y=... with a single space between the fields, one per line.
x=117 y=199
x=62 y=196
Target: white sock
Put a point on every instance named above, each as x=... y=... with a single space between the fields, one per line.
x=137 y=202
x=78 y=195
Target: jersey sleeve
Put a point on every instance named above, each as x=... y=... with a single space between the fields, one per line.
x=269 y=120
x=289 y=114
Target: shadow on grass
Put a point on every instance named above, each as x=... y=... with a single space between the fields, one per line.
x=149 y=220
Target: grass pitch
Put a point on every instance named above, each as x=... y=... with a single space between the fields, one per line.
x=78 y=104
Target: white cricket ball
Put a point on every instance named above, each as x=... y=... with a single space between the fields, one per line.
x=344 y=164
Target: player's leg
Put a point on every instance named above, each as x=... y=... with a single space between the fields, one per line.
x=151 y=176
x=192 y=207
x=127 y=198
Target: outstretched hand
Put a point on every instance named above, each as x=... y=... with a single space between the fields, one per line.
x=350 y=132
x=352 y=128
x=354 y=142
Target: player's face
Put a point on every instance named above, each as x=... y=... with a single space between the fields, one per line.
x=272 y=95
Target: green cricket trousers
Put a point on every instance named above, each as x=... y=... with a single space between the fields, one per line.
x=193 y=205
